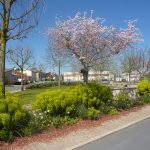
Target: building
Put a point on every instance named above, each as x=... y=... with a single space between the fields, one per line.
x=14 y=76
x=35 y=75
x=72 y=76
x=52 y=76
x=76 y=76
x=133 y=77
x=9 y=75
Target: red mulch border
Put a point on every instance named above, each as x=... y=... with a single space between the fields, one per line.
x=52 y=133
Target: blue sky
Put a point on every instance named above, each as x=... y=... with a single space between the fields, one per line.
x=114 y=11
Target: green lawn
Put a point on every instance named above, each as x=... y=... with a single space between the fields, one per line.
x=27 y=97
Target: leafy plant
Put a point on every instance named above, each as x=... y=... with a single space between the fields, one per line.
x=62 y=121
x=82 y=112
x=49 y=84
x=66 y=103
x=123 y=101
x=113 y=111
x=145 y=99
x=93 y=113
x=144 y=87
x=13 y=118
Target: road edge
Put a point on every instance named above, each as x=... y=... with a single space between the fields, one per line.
x=107 y=133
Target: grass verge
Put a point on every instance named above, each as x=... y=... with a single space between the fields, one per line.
x=27 y=97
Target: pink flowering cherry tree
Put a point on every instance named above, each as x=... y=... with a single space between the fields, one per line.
x=89 y=40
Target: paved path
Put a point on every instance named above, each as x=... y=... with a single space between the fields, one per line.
x=84 y=136
x=14 y=88
x=136 y=137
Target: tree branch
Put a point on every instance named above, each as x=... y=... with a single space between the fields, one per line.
x=19 y=34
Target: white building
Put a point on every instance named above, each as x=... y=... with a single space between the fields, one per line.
x=31 y=75
x=73 y=76
x=76 y=76
x=133 y=77
x=35 y=75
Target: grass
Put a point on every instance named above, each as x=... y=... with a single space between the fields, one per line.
x=27 y=97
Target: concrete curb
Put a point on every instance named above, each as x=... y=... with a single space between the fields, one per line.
x=107 y=133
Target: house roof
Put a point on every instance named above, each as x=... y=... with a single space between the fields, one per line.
x=8 y=69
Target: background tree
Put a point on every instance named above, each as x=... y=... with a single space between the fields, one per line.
x=115 y=66
x=128 y=62
x=142 y=61
x=57 y=58
x=22 y=59
x=41 y=69
x=101 y=66
x=136 y=59
x=89 y=40
x=17 y=18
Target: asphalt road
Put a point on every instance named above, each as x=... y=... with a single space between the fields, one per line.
x=135 y=137
x=14 y=88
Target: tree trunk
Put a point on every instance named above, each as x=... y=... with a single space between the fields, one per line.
x=22 y=84
x=85 y=73
x=85 y=76
x=115 y=77
x=3 y=52
x=141 y=75
x=129 y=78
x=100 y=77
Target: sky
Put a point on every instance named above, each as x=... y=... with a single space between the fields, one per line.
x=115 y=13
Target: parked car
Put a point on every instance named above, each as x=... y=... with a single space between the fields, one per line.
x=24 y=81
x=106 y=81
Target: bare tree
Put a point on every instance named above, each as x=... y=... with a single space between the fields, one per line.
x=114 y=67
x=136 y=60
x=41 y=69
x=17 y=18
x=142 y=61
x=22 y=58
x=128 y=62
x=101 y=66
x=57 y=58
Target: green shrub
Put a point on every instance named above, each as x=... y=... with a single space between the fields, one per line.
x=13 y=118
x=36 y=124
x=49 y=84
x=105 y=109
x=123 y=101
x=4 y=135
x=101 y=92
x=27 y=131
x=66 y=103
x=61 y=107
x=113 y=111
x=56 y=102
x=42 y=120
x=145 y=98
x=62 y=121
x=108 y=109
x=82 y=112
x=93 y=113
x=144 y=87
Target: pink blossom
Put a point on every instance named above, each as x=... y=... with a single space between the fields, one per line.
x=89 y=40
